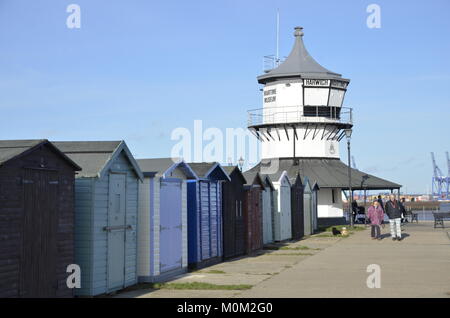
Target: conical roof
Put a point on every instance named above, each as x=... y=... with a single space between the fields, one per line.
x=299 y=64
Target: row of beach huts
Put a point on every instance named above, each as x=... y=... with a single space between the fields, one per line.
x=126 y=221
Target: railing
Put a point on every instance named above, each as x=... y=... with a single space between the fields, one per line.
x=270 y=62
x=299 y=114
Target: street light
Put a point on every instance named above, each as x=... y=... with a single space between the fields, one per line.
x=241 y=163
x=348 y=135
x=364 y=178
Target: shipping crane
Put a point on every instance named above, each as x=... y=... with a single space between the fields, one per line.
x=448 y=175
x=439 y=183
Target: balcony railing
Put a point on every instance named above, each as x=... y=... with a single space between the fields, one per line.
x=299 y=114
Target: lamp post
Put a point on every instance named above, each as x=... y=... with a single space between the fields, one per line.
x=241 y=163
x=348 y=135
x=364 y=178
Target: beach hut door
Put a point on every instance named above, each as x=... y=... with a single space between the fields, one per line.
x=116 y=231
x=171 y=228
x=38 y=267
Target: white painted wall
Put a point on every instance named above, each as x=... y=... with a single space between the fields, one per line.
x=303 y=148
x=326 y=208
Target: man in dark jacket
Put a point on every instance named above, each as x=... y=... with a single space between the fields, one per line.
x=403 y=209
x=380 y=202
x=394 y=212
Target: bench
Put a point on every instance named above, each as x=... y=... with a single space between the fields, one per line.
x=412 y=216
x=439 y=218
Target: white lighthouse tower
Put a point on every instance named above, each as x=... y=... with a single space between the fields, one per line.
x=300 y=125
x=303 y=114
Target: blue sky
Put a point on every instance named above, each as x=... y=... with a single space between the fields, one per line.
x=136 y=70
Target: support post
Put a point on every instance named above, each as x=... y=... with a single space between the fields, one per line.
x=350 y=201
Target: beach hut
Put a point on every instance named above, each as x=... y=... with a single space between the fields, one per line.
x=233 y=226
x=253 y=213
x=315 y=192
x=282 y=215
x=205 y=214
x=297 y=217
x=106 y=206
x=268 y=206
x=36 y=219
x=162 y=229
x=308 y=211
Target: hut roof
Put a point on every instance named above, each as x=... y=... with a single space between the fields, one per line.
x=205 y=170
x=11 y=149
x=95 y=157
x=161 y=167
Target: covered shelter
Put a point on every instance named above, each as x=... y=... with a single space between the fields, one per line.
x=331 y=177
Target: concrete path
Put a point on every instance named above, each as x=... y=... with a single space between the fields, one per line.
x=418 y=266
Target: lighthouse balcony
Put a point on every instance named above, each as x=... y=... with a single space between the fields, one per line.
x=288 y=115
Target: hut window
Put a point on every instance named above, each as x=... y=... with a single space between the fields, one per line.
x=333 y=198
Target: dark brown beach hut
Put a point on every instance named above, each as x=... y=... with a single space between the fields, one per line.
x=36 y=219
x=297 y=217
x=253 y=214
x=233 y=194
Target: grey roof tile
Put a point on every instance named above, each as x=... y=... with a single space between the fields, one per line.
x=326 y=172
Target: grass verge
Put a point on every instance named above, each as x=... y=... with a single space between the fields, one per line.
x=200 y=286
x=291 y=254
x=214 y=271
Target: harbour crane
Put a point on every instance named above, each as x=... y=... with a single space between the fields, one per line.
x=439 y=182
x=448 y=175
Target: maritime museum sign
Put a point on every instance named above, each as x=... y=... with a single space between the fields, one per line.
x=324 y=83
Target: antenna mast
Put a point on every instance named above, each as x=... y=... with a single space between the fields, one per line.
x=277 y=57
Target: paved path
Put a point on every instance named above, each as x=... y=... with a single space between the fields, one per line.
x=418 y=266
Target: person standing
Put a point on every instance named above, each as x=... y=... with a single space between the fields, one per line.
x=403 y=210
x=376 y=215
x=380 y=202
x=394 y=213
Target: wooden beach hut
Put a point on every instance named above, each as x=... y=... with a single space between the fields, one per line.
x=36 y=219
x=162 y=229
x=205 y=214
x=233 y=226
x=282 y=215
x=106 y=206
x=297 y=205
x=268 y=206
x=253 y=211
x=308 y=210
